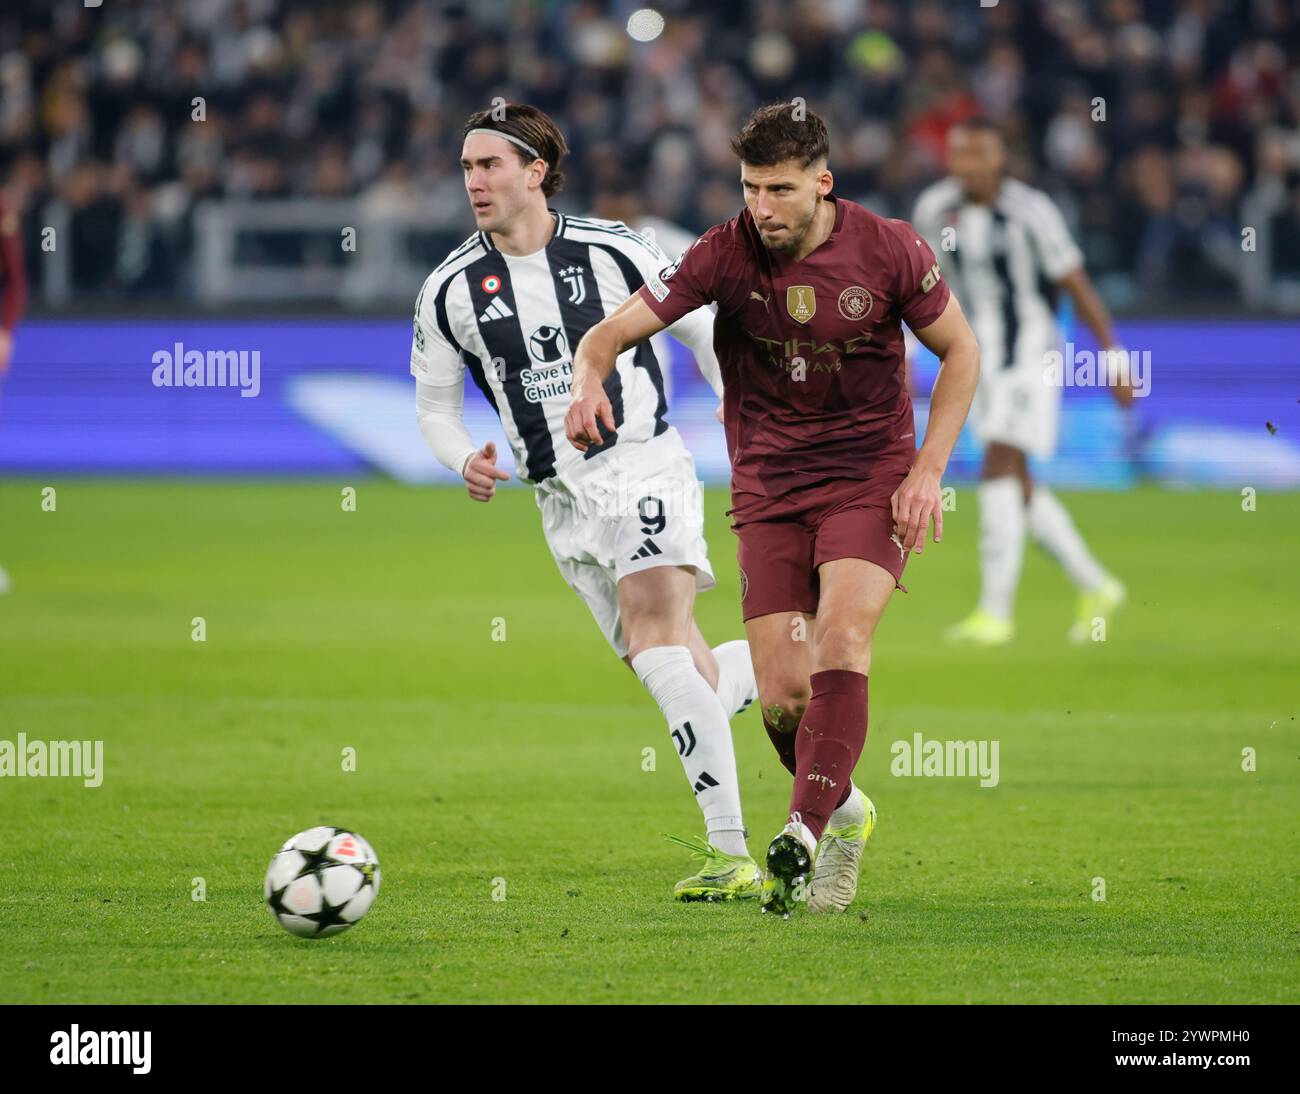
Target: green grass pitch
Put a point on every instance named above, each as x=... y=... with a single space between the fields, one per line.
x=522 y=760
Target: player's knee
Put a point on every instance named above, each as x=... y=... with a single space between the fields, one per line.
x=651 y=619
x=647 y=623
x=784 y=706
x=843 y=645
x=649 y=631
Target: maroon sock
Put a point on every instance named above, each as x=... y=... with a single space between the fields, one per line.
x=784 y=745
x=828 y=743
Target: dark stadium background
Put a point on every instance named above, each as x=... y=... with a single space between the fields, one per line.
x=197 y=163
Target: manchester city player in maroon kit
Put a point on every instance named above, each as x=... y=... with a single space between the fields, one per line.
x=829 y=492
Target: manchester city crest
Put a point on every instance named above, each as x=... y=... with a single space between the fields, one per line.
x=855 y=302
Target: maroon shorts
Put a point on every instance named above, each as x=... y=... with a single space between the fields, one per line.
x=779 y=557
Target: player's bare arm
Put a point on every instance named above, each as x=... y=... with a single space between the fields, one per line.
x=917 y=500
x=1090 y=308
x=597 y=353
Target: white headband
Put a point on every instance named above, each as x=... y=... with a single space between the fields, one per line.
x=513 y=140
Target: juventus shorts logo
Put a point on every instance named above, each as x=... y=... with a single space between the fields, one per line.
x=685 y=744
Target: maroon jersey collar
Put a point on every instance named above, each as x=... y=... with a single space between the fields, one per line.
x=839 y=212
x=778 y=260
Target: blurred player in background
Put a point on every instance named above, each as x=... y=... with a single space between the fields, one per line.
x=13 y=295
x=624 y=519
x=829 y=492
x=1006 y=248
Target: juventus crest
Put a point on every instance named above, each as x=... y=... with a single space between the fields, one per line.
x=572 y=276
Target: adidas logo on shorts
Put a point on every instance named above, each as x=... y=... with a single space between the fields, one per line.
x=648 y=548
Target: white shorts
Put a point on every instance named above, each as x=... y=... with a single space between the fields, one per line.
x=1017 y=406
x=642 y=507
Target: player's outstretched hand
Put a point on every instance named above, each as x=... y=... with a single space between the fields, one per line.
x=1115 y=361
x=482 y=472
x=580 y=423
x=914 y=503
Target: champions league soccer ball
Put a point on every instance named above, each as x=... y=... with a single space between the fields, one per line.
x=322 y=881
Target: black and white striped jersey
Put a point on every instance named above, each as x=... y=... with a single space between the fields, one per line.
x=515 y=322
x=1004 y=261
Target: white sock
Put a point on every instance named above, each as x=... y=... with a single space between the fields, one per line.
x=1002 y=543
x=1050 y=525
x=737 y=687
x=699 y=729
x=848 y=812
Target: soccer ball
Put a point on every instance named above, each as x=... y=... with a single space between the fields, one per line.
x=322 y=881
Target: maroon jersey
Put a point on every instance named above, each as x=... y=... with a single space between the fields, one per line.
x=13 y=274
x=811 y=351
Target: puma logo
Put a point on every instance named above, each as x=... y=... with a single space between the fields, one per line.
x=761 y=299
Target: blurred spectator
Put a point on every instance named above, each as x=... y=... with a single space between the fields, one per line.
x=1156 y=124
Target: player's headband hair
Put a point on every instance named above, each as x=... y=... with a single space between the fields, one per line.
x=512 y=139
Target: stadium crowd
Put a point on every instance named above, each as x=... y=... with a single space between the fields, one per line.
x=1160 y=126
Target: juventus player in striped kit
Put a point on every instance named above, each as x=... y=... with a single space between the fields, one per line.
x=1006 y=248
x=624 y=520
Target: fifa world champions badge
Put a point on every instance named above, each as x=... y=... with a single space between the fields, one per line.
x=801 y=302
